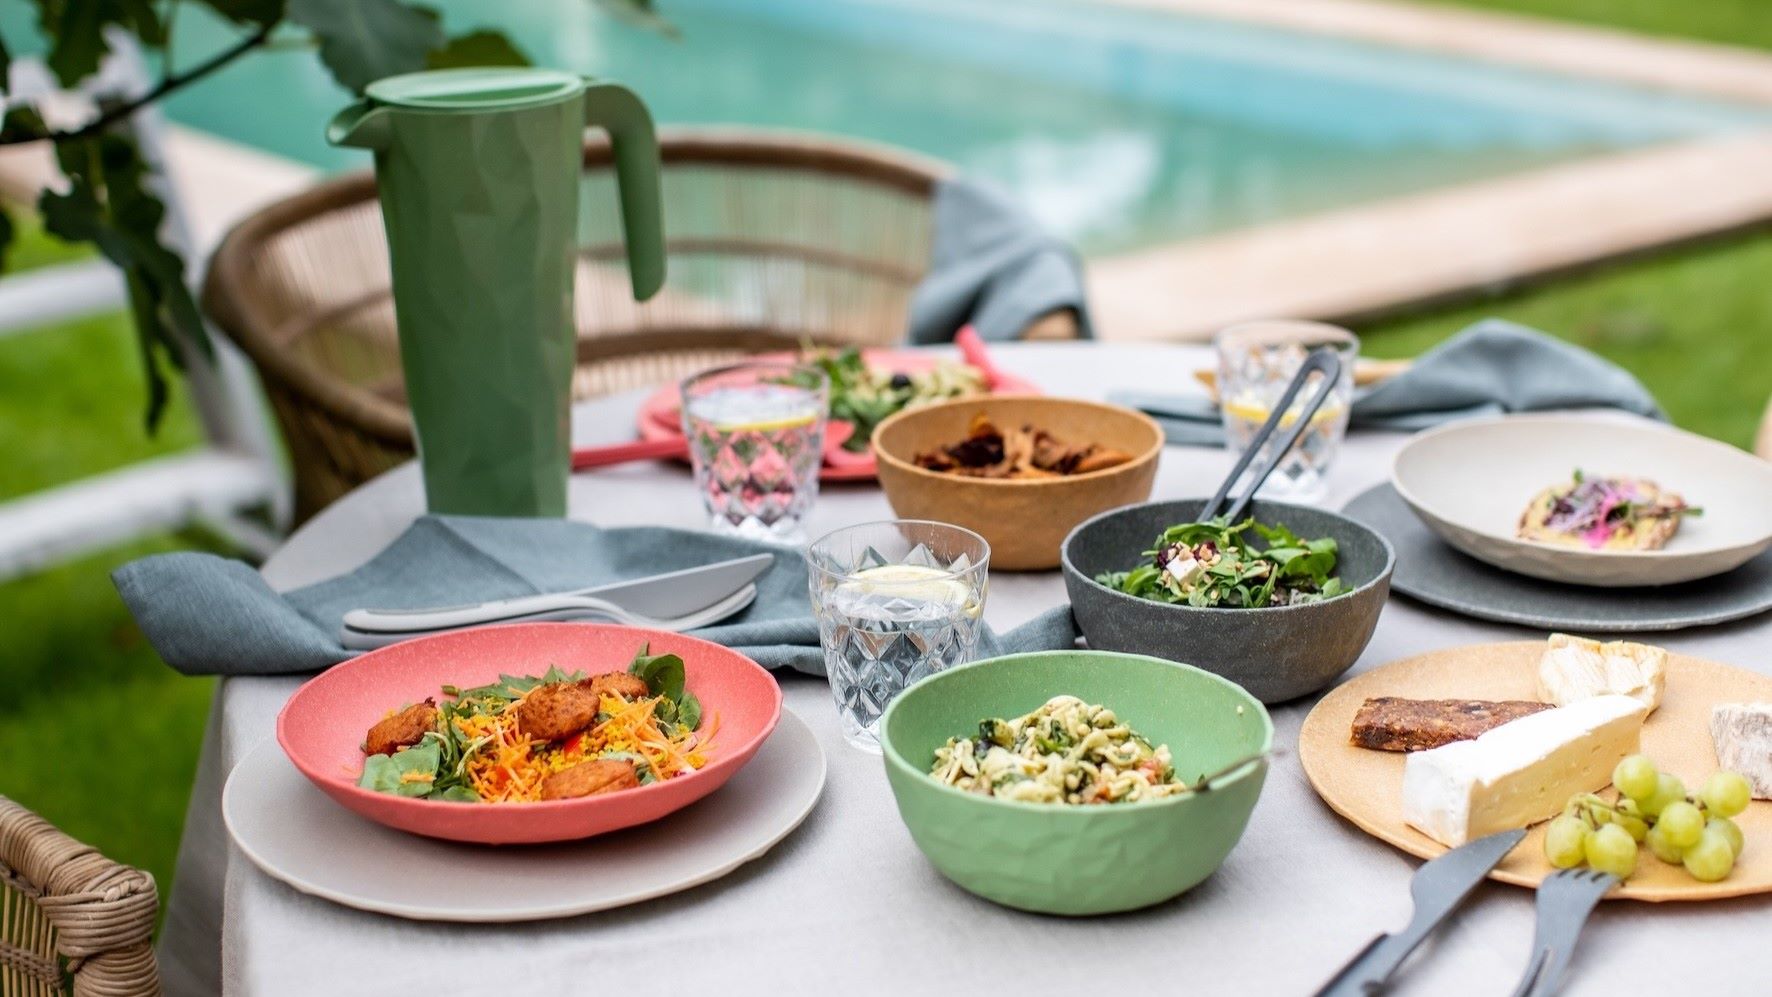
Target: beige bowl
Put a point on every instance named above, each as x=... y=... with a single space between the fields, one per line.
x=1024 y=521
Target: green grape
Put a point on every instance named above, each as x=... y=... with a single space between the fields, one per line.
x=1681 y=823
x=1668 y=789
x=1633 y=825
x=1610 y=849
x=1732 y=834
x=1636 y=777
x=1710 y=859
x=1659 y=847
x=1565 y=842
x=1725 y=794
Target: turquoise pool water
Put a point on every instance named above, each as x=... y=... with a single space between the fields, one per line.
x=1120 y=128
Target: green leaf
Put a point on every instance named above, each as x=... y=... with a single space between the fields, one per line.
x=689 y=711
x=5 y=65
x=640 y=14
x=7 y=233
x=477 y=48
x=663 y=673
x=255 y=12
x=76 y=29
x=385 y=773
x=107 y=203
x=362 y=41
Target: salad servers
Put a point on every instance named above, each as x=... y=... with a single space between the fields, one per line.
x=1320 y=360
x=676 y=600
x=1437 y=889
x=1564 y=902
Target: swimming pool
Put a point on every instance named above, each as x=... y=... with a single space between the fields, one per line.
x=1121 y=128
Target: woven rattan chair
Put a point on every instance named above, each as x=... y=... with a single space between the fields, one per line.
x=772 y=241
x=71 y=920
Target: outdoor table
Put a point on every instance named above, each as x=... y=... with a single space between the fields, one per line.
x=847 y=905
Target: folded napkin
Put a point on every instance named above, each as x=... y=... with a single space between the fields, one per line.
x=1491 y=368
x=208 y=615
x=992 y=266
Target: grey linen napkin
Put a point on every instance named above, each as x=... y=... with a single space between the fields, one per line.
x=1491 y=368
x=208 y=615
x=992 y=266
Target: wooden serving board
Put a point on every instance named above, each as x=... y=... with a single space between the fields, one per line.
x=1366 y=787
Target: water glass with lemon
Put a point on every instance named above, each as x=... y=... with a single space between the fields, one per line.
x=756 y=441
x=1256 y=362
x=896 y=601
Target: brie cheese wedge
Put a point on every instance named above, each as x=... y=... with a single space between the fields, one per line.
x=1521 y=772
x=1742 y=733
x=1575 y=668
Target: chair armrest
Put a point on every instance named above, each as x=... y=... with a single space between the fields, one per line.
x=1054 y=326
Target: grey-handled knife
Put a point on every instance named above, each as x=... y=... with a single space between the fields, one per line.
x=676 y=593
x=1437 y=888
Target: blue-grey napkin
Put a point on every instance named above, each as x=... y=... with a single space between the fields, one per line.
x=208 y=615
x=994 y=267
x=1491 y=368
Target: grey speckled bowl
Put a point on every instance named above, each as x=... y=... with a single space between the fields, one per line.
x=1277 y=654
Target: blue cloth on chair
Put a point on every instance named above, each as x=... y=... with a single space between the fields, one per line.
x=992 y=267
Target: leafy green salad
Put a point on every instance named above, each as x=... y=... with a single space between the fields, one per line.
x=479 y=745
x=1219 y=564
x=866 y=396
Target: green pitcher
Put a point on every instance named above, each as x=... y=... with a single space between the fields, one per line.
x=478 y=171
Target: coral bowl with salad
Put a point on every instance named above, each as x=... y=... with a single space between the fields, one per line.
x=1076 y=782
x=531 y=732
x=1281 y=602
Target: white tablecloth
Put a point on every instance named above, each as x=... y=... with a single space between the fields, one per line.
x=846 y=905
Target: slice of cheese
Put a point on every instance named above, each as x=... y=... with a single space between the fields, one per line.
x=1742 y=733
x=1521 y=772
x=1575 y=668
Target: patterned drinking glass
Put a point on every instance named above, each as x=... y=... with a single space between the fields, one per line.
x=1256 y=361
x=756 y=440
x=895 y=601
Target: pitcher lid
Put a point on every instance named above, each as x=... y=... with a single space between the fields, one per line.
x=480 y=88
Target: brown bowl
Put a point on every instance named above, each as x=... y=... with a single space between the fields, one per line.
x=1024 y=521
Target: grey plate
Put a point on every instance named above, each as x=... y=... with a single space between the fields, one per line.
x=1433 y=572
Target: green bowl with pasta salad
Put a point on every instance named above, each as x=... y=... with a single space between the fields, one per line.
x=1076 y=782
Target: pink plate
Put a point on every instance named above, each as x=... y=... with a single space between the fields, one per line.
x=661 y=414
x=321 y=728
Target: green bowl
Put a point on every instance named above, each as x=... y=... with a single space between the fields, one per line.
x=1078 y=860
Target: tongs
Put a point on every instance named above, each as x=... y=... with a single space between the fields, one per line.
x=1321 y=359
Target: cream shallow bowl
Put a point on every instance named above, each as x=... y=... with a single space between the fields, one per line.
x=1470 y=481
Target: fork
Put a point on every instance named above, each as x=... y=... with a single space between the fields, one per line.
x=1564 y=902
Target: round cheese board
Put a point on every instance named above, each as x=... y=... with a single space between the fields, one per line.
x=1366 y=786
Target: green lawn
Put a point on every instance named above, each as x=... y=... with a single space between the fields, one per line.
x=102 y=738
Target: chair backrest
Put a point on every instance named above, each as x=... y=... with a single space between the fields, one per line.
x=71 y=920
x=771 y=240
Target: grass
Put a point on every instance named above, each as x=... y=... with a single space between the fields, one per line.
x=1686 y=323
x=102 y=738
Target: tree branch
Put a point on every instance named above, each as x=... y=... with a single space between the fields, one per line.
x=165 y=86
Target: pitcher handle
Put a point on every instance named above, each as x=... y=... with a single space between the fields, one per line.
x=616 y=109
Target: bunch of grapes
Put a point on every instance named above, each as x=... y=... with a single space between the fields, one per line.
x=1653 y=809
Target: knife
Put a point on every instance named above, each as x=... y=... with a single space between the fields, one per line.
x=1437 y=888
x=675 y=593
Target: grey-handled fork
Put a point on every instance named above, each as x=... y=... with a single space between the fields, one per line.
x=1564 y=902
